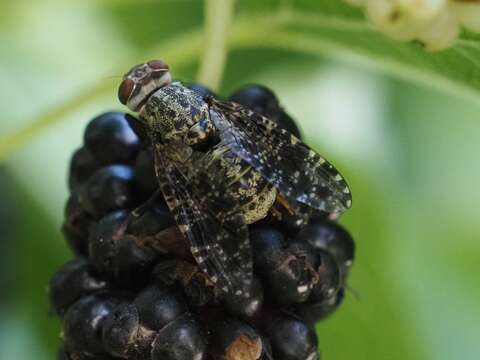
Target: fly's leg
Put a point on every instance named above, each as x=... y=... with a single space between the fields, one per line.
x=141 y=209
x=284 y=209
x=284 y=202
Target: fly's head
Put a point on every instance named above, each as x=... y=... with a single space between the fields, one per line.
x=141 y=82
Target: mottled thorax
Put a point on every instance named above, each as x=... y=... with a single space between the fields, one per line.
x=173 y=110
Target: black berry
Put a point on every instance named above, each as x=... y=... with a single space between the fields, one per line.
x=83 y=323
x=202 y=90
x=73 y=280
x=82 y=165
x=182 y=339
x=63 y=354
x=122 y=256
x=313 y=313
x=246 y=306
x=110 y=139
x=292 y=339
x=261 y=99
x=329 y=278
x=266 y=243
x=289 y=278
x=197 y=288
x=76 y=225
x=331 y=237
x=109 y=188
x=103 y=240
x=145 y=173
x=120 y=330
x=151 y=221
x=158 y=306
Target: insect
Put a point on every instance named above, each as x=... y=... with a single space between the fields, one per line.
x=215 y=191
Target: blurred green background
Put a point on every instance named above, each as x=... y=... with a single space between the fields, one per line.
x=410 y=153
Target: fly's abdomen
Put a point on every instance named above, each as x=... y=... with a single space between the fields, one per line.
x=254 y=194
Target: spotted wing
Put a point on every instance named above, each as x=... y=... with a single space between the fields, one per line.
x=298 y=172
x=210 y=219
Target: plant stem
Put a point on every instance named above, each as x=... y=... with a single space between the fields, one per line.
x=218 y=16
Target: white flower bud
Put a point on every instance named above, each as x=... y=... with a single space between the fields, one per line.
x=421 y=9
x=468 y=13
x=441 y=32
x=389 y=18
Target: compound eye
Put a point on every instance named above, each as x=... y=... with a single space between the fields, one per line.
x=125 y=90
x=157 y=65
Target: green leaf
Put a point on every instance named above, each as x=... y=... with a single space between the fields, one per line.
x=328 y=28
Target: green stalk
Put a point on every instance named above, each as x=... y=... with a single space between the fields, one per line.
x=218 y=18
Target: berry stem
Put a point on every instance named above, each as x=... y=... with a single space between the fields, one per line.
x=218 y=17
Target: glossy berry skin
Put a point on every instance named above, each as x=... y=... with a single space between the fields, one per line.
x=261 y=99
x=314 y=312
x=110 y=139
x=82 y=166
x=109 y=188
x=152 y=221
x=76 y=225
x=120 y=330
x=63 y=354
x=202 y=90
x=158 y=306
x=182 y=339
x=72 y=281
x=305 y=251
x=333 y=238
x=266 y=243
x=329 y=278
x=198 y=290
x=290 y=279
x=292 y=339
x=287 y=270
x=82 y=324
x=267 y=352
x=245 y=306
x=145 y=173
x=103 y=241
x=121 y=256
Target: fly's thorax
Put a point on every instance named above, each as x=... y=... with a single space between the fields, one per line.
x=172 y=111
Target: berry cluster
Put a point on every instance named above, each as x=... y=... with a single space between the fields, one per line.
x=436 y=24
x=134 y=291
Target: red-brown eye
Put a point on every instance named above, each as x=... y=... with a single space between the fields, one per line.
x=157 y=65
x=125 y=90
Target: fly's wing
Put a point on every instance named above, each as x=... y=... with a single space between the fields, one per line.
x=210 y=219
x=298 y=172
